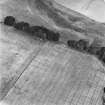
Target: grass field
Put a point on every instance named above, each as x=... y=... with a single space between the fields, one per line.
x=43 y=73
x=35 y=72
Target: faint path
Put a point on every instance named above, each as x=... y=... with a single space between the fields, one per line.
x=23 y=67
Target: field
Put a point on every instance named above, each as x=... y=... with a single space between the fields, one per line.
x=34 y=72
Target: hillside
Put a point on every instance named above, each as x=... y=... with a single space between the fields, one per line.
x=34 y=72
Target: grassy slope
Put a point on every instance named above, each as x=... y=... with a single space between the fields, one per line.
x=20 y=52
